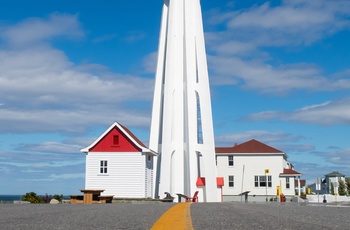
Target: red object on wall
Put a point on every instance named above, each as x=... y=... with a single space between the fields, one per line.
x=115 y=141
x=201 y=181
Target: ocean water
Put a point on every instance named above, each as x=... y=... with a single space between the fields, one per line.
x=7 y=198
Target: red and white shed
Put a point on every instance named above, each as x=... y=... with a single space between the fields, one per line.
x=120 y=164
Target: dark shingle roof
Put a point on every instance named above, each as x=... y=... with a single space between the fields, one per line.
x=252 y=146
x=290 y=172
x=132 y=135
x=335 y=174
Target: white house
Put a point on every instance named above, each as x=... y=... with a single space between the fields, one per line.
x=326 y=183
x=257 y=169
x=120 y=164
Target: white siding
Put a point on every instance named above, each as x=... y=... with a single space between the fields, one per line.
x=254 y=165
x=149 y=176
x=125 y=177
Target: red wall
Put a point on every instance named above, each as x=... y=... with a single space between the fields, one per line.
x=106 y=143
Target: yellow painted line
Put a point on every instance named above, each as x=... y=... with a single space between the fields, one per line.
x=177 y=217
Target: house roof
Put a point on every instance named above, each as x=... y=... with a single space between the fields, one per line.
x=335 y=174
x=302 y=182
x=133 y=136
x=127 y=133
x=290 y=172
x=252 y=146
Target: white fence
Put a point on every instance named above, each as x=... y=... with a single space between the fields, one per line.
x=327 y=197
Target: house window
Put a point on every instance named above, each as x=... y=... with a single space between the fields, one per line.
x=116 y=140
x=287 y=182
x=269 y=181
x=256 y=181
x=230 y=160
x=231 y=181
x=260 y=181
x=103 y=167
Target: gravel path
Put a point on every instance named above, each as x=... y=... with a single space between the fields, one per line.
x=204 y=216
x=67 y=216
x=269 y=216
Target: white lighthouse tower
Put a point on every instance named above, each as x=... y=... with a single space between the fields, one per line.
x=182 y=128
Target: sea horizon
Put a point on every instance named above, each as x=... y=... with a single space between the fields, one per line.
x=8 y=198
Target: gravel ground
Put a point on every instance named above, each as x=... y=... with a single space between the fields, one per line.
x=236 y=215
x=67 y=216
x=230 y=215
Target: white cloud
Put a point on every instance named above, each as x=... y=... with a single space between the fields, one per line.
x=327 y=113
x=291 y=22
x=340 y=157
x=266 y=115
x=330 y=113
x=295 y=148
x=53 y=147
x=263 y=136
x=104 y=38
x=266 y=78
x=240 y=54
x=135 y=36
x=44 y=91
x=67 y=176
x=55 y=177
x=35 y=30
x=71 y=121
x=280 y=140
x=44 y=165
x=150 y=62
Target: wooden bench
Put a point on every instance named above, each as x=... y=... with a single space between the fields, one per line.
x=91 y=195
x=77 y=199
x=105 y=199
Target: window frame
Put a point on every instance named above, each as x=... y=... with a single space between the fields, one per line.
x=262 y=181
x=231 y=181
x=103 y=167
x=231 y=162
x=287 y=183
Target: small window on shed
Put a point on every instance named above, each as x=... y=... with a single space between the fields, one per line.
x=103 y=167
x=116 y=140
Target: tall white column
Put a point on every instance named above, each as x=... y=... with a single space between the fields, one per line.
x=182 y=129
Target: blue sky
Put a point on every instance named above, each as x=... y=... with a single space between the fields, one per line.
x=279 y=73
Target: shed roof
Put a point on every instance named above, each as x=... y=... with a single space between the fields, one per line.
x=127 y=133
